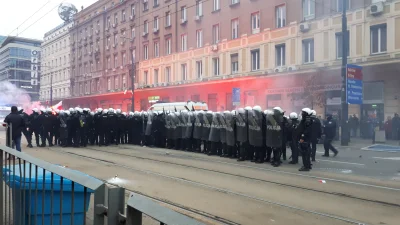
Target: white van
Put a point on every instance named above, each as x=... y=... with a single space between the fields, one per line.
x=179 y=106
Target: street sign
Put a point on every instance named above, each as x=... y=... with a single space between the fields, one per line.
x=236 y=96
x=354 y=83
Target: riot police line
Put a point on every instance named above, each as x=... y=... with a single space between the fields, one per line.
x=246 y=134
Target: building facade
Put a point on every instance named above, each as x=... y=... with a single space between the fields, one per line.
x=270 y=50
x=55 y=65
x=19 y=64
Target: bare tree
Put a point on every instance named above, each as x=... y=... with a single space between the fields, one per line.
x=313 y=94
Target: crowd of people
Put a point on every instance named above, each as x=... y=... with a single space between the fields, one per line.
x=246 y=134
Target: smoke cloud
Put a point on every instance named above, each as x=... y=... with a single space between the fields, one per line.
x=12 y=95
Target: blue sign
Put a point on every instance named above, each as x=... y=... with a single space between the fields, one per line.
x=354 y=83
x=236 y=96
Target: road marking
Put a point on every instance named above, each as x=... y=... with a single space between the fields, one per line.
x=358 y=164
x=388 y=158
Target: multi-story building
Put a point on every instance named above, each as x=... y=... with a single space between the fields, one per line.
x=55 y=65
x=272 y=52
x=19 y=64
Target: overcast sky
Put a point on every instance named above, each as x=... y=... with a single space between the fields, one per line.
x=13 y=13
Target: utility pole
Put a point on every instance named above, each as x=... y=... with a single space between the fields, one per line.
x=51 y=90
x=345 y=107
x=133 y=83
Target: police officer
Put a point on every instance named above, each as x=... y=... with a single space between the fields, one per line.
x=292 y=135
x=316 y=133
x=206 y=127
x=330 y=132
x=230 y=134
x=25 y=130
x=35 y=125
x=305 y=132
x=56 y=127
x=103 y=129
x=256 y=133
x=112 y=126
x=214 y=136
x=242 y=133
x=197 y=130
x=274 y=134
x=63 y=118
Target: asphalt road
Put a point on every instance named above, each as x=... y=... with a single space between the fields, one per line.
x=339 y=190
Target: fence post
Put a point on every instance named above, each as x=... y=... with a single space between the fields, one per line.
x=99 y=199
x=133 y=216
x=116 y=204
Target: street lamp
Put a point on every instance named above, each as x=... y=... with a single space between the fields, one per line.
x=51 y=85
x=133 y=82
x=132 y=78
x=345 y=107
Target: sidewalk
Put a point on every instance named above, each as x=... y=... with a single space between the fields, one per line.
x=360 y=143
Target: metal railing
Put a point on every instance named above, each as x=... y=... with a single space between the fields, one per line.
x=35 y=192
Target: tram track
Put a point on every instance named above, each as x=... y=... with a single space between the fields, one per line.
x=251 y=178
x=213 y=188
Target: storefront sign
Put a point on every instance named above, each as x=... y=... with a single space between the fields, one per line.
x=34 y=67
x=354 y=82
x=236 y=96
x=326 y=87
x=154 y=99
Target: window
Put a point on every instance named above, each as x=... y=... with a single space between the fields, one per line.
x=167 y=19
x=339 y=5
x=156 y=3
x=235 y=28
x=115 y=39
x=215 y=34
x=115 y=19
x=145 y=5
x=215 y=66
x=280 y=55
x=199 y=7
x=91 y=66
x=378 y=39
x=184 y=42
x=184 y=71
x=156 y=76
x=234 y=2
x=124 y=81
x=339 y=44
x=280 y=16
x=168 y=47
x=123 y=16
x=156 y=49
x=108 y=22
x=146 y=73
x=235 y=63
x=116 y=82
x=167 y=74
x=146 y=27
x=108 y=41
x=183 y=13
x=199 y=38
x=146 y=51
x=308 y=9
x=108 y=63
x=255 y=23
x=133 y=10
x=216 y=5
x=108 y=83
x=133 y=32
x=255 y=59
x=308 y=51
x=115 y=61
x=123 y=59
x=155 y=23
x=199 y=69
